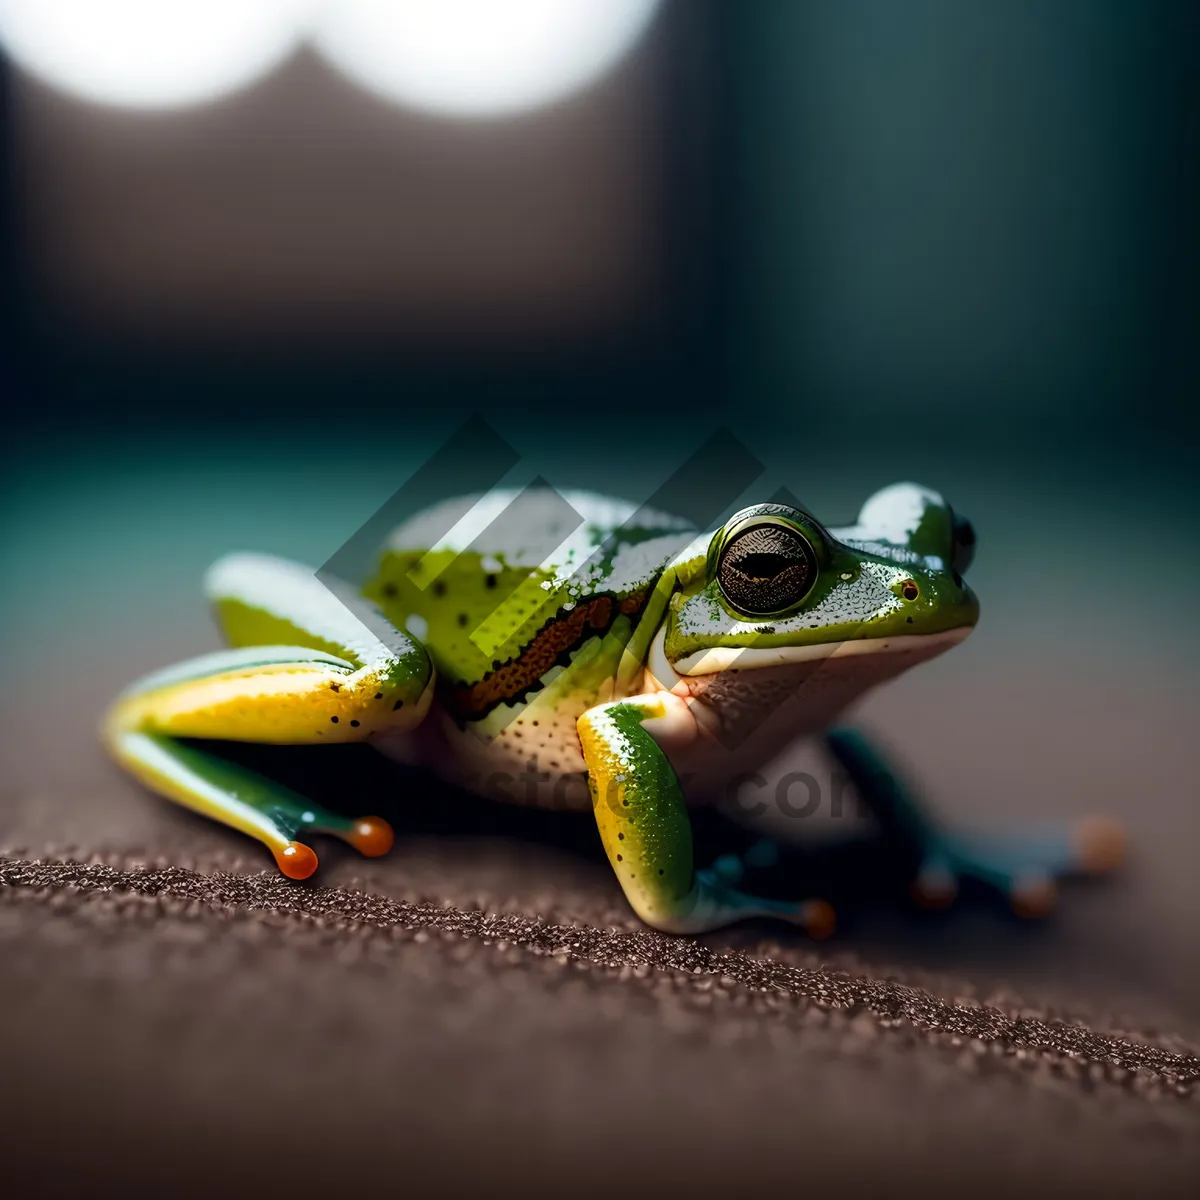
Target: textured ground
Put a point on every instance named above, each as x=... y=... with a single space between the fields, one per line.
x=479 y=1009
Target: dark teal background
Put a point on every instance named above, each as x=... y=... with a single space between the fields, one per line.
x=955 y=242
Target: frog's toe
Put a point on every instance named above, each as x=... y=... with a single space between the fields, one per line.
x=370 y=836
x=817 y=918
x=296 y=860
x=936 y=884
x=1100 y=844
x=1033 y=895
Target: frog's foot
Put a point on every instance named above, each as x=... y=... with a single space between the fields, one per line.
x=715 y=899
x=718 y=882
x=202 y=780
x=1023 y=867
x=370 y=836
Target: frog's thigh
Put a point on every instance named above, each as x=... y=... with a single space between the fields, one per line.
x=645 y=827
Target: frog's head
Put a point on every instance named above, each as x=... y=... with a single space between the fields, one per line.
x=774 y=587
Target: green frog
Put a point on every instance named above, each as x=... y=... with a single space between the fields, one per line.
x=571 y=650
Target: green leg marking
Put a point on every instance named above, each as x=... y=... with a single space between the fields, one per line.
x=646 y=831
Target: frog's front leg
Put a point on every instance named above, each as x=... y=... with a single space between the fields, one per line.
x=308 y=668
x=1024 y=867
x=645 y=826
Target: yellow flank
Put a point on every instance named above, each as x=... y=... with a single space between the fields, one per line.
x=283 y=704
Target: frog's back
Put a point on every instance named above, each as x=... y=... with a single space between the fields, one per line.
x=514 y=593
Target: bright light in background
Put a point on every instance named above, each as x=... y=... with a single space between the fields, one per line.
x=478 y=58
x=150 y=53
x=467 y=58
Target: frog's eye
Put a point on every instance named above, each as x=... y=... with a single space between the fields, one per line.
x=766 y=569
x=962 y=552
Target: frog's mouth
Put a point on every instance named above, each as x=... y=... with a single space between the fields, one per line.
x=727 y=658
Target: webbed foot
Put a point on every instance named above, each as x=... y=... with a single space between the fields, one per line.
x=1024 y=868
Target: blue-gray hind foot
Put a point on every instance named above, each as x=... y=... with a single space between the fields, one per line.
x=1024 y=868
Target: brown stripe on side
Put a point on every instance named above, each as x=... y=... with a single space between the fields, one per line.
x=551 y=645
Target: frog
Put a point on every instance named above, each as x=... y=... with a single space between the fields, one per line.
x=569 y=650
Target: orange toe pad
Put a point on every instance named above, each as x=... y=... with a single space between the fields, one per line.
x=371 y=836
x=296 y=860
x=1034 y=896
x=820 y=920
x=1100 y=844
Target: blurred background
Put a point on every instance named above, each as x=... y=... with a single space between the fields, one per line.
x=260 y=260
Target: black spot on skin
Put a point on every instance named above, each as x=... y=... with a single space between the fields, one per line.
x=354 y=723
x=533 y=723
x=378 y=695
x=766 y=629
x=335 y=687
x=390 y=590
x=908 y=619
x=462 y=620
x=439 y=588
x=621 y=837
x=660 y=870
x=398 y=705
x=489 y=581
x=334 y=720
x=620 y=858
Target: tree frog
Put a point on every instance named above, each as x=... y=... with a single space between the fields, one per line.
x=575 y=651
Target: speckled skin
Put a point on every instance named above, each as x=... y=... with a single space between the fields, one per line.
x=569 y=651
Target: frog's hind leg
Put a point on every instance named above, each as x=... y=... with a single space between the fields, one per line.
x=646 y=830
x=310 y=668
x=215 y=787
x=1023 y=867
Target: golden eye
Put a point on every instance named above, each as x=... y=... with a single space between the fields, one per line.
x=766 y=569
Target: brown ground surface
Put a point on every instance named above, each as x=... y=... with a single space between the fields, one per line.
x=480 y=1012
